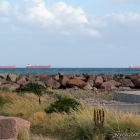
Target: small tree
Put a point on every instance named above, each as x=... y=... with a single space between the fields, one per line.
x=32 y=87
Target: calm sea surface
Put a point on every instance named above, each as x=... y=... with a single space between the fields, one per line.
x=94 y=71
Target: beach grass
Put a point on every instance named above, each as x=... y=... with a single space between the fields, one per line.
x=77 y=125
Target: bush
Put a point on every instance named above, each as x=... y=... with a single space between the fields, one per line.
x=63 y=104
x=32 y=87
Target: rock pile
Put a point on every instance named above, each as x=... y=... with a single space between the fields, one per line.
x=102 y=82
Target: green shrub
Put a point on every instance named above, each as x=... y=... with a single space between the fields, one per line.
x=63 y=104
x=32 y=88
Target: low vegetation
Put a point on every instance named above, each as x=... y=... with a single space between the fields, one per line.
x=35 y=88
x=57 y=118
x=63 y=104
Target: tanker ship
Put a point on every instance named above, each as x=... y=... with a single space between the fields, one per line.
x=132 y=66
x=35 y=66
x=7 y=66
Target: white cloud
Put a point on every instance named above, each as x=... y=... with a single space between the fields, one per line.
x=58 y=18
x=4 y=7
x=92 y=32
x=69 y=14
x=38 y=11
x=124 y=17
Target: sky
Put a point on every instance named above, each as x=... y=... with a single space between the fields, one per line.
x=70 y=33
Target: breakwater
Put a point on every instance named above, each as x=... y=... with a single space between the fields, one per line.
x=87 y=81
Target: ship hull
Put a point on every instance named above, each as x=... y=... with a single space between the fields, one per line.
x=38 y=66
x=7 y=67
x=133 y=67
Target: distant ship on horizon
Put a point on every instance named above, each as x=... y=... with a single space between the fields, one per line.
x=39 y=66
x=7 y=66
x=132 y=66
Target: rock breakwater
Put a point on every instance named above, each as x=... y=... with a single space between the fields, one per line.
x=96 y=83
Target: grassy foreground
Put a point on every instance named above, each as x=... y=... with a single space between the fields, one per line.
x=81 y=125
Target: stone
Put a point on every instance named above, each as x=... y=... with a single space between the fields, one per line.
x=55 y=77
x=10 y=127
x=109 y=84
x=4 y=75
x=76 y=82
x=63 y=81
x=13 y=77
x=70 y=76
x=87 y=87
x=22 y=83
x=3 y=81
x=23 y=78
x=126 y=83
x=98 y=81
x=50 y=82
x=40 y=83
x=80 y=78
x=91 y=78
x=136 y=82
x=109 y=77
x=90 y=82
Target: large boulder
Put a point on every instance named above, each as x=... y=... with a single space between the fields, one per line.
x=70 y=76
x=87 y=87
x=98 y=81
x=23 y=78
x=55 y=77
x=50 y=82
x=13 y=77
x=63 y=81
x=109 y=84
x=3 y=81
x=76 y=82
x=90 y=82
x=33 y=78
x=136 y=82
x=80 y=78
x=4 y=75
x=10 y=127
x=126 y=83
x=109 y=77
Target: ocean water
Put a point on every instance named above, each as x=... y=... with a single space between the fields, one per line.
x=94 y=71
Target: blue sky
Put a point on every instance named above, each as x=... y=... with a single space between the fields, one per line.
x=70 y=33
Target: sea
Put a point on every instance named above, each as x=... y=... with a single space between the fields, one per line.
x=95 y=71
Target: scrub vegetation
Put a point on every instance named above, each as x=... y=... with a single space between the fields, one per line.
x=61 y=117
